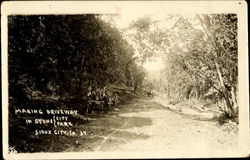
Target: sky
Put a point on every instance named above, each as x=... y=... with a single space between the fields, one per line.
x=165 y=21
x=123 y=20
x=156 y=65
x=154 y=68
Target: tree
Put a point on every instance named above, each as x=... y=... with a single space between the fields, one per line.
x=68 y=53
x=209 y=55
x=149 y=40
x=53 y=59
x=200 y=52
x=221 y=31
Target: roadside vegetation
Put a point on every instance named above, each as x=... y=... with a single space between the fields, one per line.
x=85 y=63
x=201 y=59
x=66 y=62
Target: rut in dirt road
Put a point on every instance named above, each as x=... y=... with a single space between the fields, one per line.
x=145 y=125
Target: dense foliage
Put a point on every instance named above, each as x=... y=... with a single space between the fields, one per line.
x=65 y=53
x=201 y=56
x=53 y=60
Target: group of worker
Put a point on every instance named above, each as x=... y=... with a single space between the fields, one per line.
x=150 y=93
x=100 y=100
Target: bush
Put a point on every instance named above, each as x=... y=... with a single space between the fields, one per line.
x=225 y=117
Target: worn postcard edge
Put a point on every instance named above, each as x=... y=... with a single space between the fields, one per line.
x=130 y=7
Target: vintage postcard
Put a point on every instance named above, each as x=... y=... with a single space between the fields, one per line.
x=124 y=79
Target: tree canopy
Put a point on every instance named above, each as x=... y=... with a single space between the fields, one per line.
x=66 y=53
x=200 y=52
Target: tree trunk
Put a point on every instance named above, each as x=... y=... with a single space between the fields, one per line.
x=224 y=90
x=135 y=86
x=234 y=98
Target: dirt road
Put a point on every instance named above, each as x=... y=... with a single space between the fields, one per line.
x=145 y=125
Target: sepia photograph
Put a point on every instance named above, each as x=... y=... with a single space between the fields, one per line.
x=111 y=80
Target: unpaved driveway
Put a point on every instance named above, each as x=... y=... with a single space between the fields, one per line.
x=144 y=125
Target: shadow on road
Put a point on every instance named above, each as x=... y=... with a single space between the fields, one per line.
x=110 y=132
